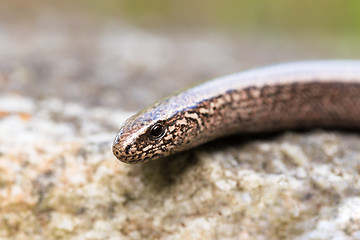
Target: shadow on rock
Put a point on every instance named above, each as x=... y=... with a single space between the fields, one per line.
x=163 y=173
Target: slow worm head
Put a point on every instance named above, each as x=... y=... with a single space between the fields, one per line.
x=279 y=97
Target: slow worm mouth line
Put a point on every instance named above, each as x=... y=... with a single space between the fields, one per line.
x=280 y=97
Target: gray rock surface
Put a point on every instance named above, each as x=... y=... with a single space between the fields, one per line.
x=66 y=90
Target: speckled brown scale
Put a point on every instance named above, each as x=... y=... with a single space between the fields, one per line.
x=286 y=96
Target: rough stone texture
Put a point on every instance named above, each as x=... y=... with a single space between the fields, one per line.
x=61 y=105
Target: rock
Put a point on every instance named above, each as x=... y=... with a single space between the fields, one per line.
x=57 y=172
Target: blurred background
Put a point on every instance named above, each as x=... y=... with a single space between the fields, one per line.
x=71 y=71
x=128 y=53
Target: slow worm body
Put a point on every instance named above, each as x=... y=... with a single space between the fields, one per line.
x=279 y=97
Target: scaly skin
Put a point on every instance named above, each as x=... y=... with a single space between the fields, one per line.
x=285 y=96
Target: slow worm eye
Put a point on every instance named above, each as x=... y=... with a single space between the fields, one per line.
x=157 y=131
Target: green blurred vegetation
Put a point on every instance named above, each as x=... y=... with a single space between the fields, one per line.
x=318 y=16
x=332 y=16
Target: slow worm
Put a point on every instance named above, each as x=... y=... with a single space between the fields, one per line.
x=279 y=97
